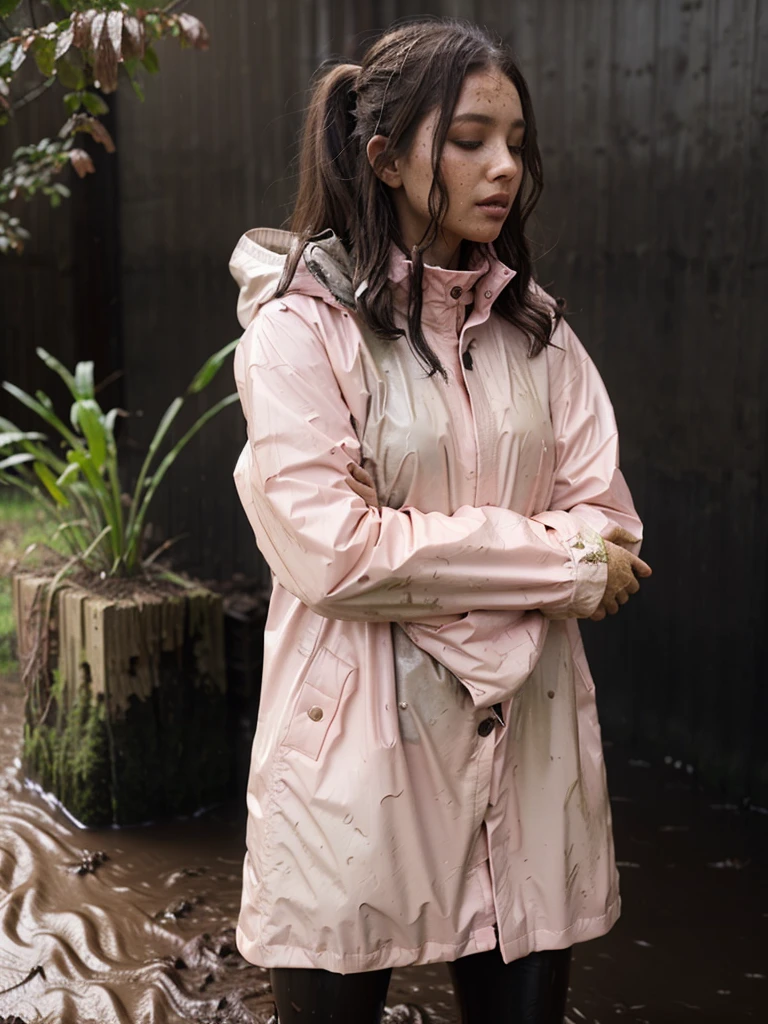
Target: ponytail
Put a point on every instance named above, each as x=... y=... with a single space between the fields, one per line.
x=328 y=164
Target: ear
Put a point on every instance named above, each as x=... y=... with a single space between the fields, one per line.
x=390 y=173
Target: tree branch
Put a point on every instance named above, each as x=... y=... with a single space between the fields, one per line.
x=33 y=93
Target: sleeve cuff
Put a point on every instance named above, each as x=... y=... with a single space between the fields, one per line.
x=589 y=564
x=591 y=571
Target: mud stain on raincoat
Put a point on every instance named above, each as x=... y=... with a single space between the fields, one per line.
x=427 y=763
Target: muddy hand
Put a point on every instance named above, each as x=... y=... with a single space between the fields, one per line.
x=620 y=536
x=624 y=568
x=362 y=484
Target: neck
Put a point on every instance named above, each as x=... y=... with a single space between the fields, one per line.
x=445 y=251
x=439 y=254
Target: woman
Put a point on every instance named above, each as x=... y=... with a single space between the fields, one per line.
x=432 y=475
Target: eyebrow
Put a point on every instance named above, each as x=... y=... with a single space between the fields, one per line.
x=485 y=119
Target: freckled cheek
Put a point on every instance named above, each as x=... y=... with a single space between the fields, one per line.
x=459 y=188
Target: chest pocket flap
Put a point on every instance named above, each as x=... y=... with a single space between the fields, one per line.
x=318 y=703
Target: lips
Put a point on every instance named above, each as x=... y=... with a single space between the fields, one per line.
x=500 y=201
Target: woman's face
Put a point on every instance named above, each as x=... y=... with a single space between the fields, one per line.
x=481 y=161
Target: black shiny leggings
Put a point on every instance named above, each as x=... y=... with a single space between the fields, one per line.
x=531 y=990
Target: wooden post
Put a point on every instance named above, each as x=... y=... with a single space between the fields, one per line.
x=129 y=721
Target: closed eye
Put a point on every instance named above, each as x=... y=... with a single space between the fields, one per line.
x=464 y=144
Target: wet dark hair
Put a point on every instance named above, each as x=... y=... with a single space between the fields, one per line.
x=409 y=71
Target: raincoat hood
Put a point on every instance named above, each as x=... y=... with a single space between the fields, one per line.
x=259 y=259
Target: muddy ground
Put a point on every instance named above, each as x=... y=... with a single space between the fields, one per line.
x=135 y=926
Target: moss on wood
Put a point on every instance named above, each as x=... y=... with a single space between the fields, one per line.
x=136 y=724
x=68 y=754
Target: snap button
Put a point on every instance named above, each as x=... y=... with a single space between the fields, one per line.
x=315 y=713
x=486 y=727
x=488 y=295
x=455 y=292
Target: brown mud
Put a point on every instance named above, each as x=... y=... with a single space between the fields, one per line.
x=135 y=925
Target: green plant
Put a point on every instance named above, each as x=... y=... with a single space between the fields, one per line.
x=78 y=481
x=25 y=538
x=82 y=52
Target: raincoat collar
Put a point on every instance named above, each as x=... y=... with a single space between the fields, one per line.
x=444 y=290
x=326 y=271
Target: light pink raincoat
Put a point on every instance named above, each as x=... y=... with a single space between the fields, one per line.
x=395 y=816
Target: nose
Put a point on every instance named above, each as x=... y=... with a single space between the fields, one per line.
x=504 y=165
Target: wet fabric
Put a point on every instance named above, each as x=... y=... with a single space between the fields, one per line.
x=393 y=819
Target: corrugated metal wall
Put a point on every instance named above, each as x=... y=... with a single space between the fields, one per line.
x=205 y=160
x=653 y=118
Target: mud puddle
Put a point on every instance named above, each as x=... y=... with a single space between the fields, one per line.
x=135 y=926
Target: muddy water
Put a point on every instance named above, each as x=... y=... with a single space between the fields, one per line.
x=135 y=926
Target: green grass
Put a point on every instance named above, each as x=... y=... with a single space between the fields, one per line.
x=22 y=523
x=8 y=662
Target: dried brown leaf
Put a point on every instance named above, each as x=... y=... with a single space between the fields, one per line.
x=105 y=66
x=64 y=41
x=100 y=133
x=115 y=31
x=82 y=28
x=81 y=161
x=133 y=42
x=194 y=31
x=97 y=30
x=104 y=58
x=18 y=58
x=92 y=125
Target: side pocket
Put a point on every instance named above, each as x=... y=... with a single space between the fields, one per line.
x=317 y=703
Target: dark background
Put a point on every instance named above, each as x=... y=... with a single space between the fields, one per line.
x=652 y=117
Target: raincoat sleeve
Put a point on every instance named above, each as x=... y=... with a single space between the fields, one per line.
x=589 y=486
x=493 y=653
x=347 y=560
